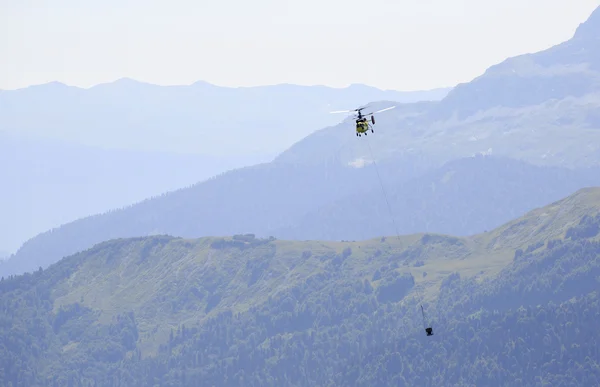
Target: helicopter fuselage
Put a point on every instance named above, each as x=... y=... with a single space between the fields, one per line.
x=362 y=120
x=362 y=125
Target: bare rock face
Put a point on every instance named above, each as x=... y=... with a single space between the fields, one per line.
x=568 y=69
x=590 y=29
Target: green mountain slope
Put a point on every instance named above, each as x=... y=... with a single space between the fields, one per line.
x=244 y=311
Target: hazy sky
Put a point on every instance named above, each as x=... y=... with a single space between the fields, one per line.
x=391 y=44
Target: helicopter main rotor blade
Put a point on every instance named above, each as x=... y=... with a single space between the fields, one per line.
x=388 y=108
x=379 y=111
x=351 y=111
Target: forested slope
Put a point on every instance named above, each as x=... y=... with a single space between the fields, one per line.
x=515 y=306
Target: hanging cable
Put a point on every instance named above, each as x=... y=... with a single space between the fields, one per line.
x=428 y=327
x=383 y=190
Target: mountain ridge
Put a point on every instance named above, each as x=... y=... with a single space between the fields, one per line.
x=570 y=68
x=589 y=29
x=539 y=107
x=184 y=118
x=408 y=141
x=282 y=199
x=46 y=126
x=242 y=303
x=483 y=192
x=133 y=81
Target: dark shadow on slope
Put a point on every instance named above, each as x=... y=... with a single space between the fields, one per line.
x=463 y=197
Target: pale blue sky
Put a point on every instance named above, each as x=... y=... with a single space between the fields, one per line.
x=391 y=44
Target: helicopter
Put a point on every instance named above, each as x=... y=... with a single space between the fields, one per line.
x=362 y=123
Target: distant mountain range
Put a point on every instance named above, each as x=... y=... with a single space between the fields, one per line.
x=200 y=118
x=326 y=185
x=73 y=152
x=46 y=183
x=330 y=203
x=494 y=190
